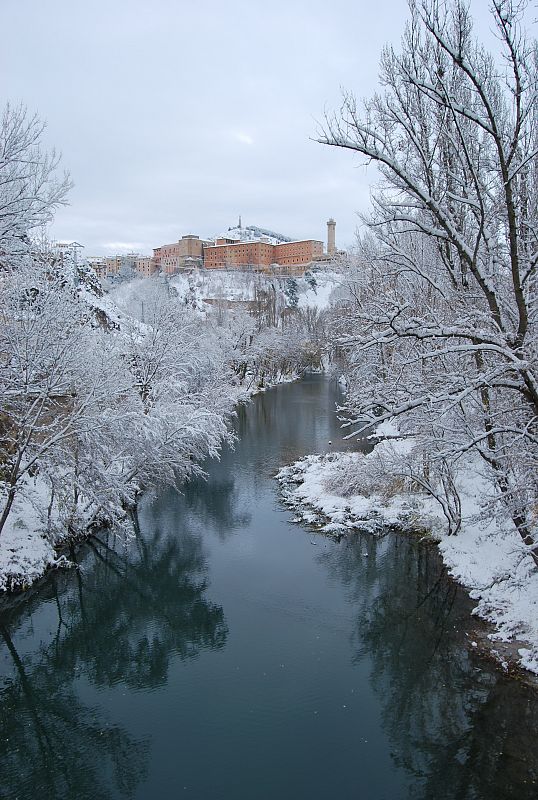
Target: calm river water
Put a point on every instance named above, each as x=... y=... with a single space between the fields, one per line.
x=227 y=653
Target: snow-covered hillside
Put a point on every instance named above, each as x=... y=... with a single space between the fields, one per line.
x=252 y=233
x=313 y=291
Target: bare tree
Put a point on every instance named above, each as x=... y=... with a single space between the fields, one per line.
x=30 y=186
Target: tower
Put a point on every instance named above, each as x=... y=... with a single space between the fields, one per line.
x=331 y=237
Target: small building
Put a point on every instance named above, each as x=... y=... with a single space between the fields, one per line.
x=98 y=264
x=145 y=266
x=121 y=264
x=63 y=250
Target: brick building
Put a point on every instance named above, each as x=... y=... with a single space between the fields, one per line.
x=262 y=255
x=241 y=249
x=124 y=263
x=232 y=254
x=300 y=253
x=187 y=252
x=145 y=266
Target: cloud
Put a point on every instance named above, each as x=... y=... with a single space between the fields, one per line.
x=242 y=137
x=123 y=247
x=185 y=144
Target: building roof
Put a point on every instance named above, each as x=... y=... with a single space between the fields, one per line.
x=260 y=241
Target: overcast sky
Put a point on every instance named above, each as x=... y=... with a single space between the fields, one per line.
x=176 y=116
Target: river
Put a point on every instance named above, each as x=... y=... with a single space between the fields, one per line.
x=226 y=653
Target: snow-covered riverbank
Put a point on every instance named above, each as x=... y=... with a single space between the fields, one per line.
x=489 y=560
x=28 y=548
x=26 y=553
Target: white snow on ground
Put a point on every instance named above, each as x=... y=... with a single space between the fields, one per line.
x=489 y=560
x=217 y=284
x=106 y=305
x=252 y=234
x=319 y=294
x=193 y=288
x=25 y=552
x=313 y=291
x=305 y=483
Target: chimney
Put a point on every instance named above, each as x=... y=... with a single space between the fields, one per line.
x=331 y=239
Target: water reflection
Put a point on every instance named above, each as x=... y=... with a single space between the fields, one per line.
x=283 y=425
x=152 y=606
x=218 y=506
x=53 y=745
x=119 y=619
x=457 y=727
x=344 y=673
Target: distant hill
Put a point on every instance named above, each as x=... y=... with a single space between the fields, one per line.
x=252 y=232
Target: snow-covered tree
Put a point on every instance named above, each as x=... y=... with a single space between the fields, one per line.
x=179 y=371
x=95 y=405
x=45 y=349
x=443 y=334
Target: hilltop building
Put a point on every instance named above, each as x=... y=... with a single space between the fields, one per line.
x=262 y=255
x=186 y=253
x=239 y=248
